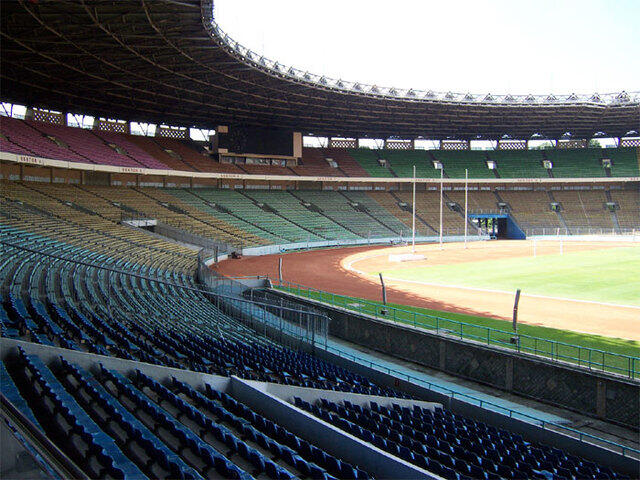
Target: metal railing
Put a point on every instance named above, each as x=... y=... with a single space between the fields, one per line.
x=587 y=357
x=177 y=230
x=264 y=313
x=580 y=230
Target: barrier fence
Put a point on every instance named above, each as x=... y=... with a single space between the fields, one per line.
x=591 y=358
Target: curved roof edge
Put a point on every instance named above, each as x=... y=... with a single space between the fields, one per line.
x=277 y=69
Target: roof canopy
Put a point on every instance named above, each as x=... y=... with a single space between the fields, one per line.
x=167 y=62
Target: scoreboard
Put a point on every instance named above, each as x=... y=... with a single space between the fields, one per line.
x=255 y=140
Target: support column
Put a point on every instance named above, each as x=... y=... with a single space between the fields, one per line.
x=508 y=381
x=601 y=399
x=442 y=356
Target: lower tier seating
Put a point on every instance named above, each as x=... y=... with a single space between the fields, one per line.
x=452 y=446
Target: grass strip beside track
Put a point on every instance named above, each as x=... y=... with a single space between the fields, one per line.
x=602 y=353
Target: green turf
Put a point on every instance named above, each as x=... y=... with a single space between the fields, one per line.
x=606 y=275
x=563 y=344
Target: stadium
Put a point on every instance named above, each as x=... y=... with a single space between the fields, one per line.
x=215 y=265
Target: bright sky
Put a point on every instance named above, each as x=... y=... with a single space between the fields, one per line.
x=498 y=46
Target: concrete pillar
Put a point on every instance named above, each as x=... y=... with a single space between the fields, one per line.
x=508 y=381
x=601 y=399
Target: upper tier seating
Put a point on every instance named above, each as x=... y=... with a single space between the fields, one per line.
x=132 y=149
x=455 y=162
x=368 y=160
x=519 y=163
x=402 y=162
x=27 y=137
x=23 y=138
x=314 y=164
x=346 y=163
x=584 y=162
x=626 y=161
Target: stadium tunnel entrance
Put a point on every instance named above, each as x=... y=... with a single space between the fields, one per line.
x=498 y=225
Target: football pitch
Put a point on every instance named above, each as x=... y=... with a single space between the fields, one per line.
x=605 y=275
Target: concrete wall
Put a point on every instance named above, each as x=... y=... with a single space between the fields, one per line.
x=270 y=249
x=608 y=397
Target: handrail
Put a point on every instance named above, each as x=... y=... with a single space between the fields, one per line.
x=586 y=357
x=56 y=459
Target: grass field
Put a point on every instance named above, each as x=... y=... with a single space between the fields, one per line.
x=562 y=344
x=605 y=275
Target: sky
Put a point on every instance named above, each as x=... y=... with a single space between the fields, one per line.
x=463 y=46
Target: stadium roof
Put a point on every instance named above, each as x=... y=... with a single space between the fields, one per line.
x=167 y=62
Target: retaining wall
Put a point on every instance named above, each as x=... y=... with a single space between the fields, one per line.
x=605 y=396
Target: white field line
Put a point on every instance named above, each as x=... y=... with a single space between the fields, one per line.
x=349 y=266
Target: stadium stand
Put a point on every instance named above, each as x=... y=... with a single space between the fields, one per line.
x=168 y=157
x=531 y=209
x=455 y=163
x=378 y=212
x=585 y=209
x=314 y=163
x=319 y=226
x=346 y=163
x=428 y=207
x=25 y=138
x=629 y=207
x=126 y=355
x=576 y=163
x=519 y=163
x=625 y=161
x=160 y=205
x=347 y=213
x=221 y=205
x=449 y=445
x=368 y=160
x=402 y=162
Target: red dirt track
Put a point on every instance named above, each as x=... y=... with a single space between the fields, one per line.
x=329 y=270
